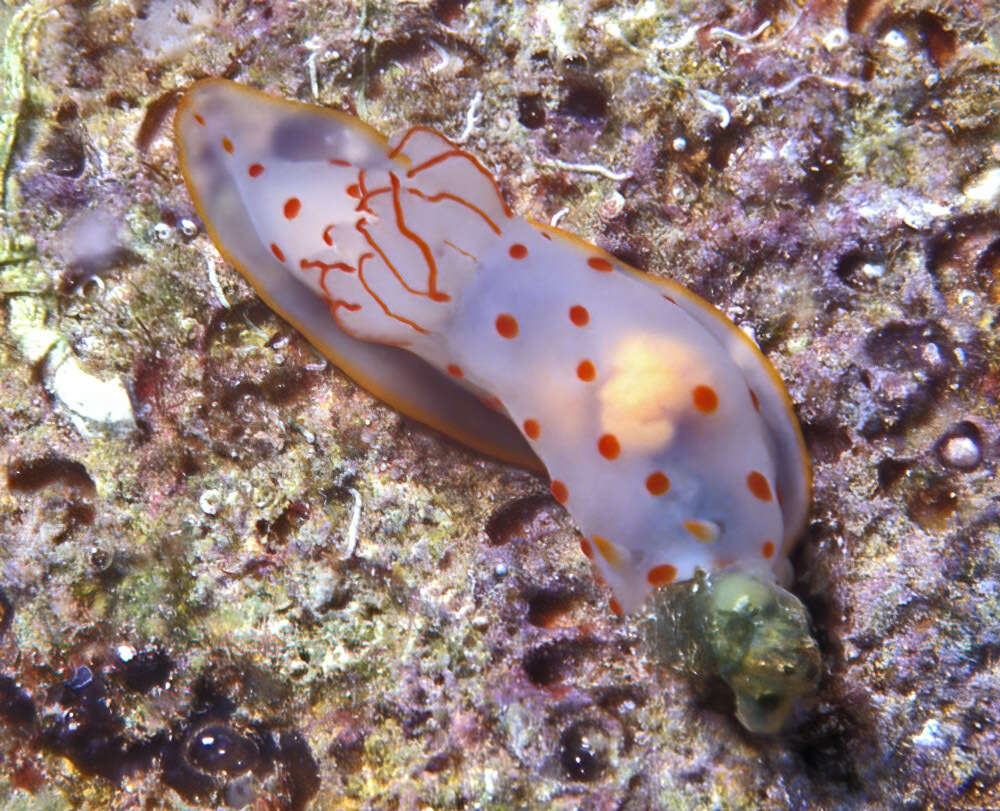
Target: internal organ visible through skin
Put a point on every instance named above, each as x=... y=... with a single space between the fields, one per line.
x=665 y=433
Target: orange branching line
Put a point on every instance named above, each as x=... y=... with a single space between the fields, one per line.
x=453 y=152
x=451 y=244
x=385 y=309
x=336 y=304
x=461 y=153
x=368 y=195
x=360 y=225
x=333 y=303
x=434 y=198
x=314 y=264
x=413 y=131
x=305 y=265
x=325 y=268
x=432 y=269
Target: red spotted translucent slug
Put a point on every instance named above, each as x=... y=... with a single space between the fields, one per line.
x=665 y=432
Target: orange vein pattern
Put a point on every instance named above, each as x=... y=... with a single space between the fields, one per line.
x=434 y=198
x=454 y=152
x=385 y=309
x=432 y=292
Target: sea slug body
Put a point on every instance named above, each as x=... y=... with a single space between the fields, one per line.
x=665 y=432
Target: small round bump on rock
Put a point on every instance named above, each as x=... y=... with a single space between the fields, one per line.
x=961 y=446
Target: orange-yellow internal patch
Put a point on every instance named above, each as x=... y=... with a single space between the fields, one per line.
x=608 y=551
x=704 y=531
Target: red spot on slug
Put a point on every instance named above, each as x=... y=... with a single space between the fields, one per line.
x=586 y=371
x=199 y=119
x=532 y=429
x=560 y=492
x=601 y=264
x=705 y=399
x=227 y=145
x=609 y=446
x=657 y=483
x=668 y=298
x=754 y=400
x=704 y=531
x=293 y=205
x=616 y=607
x=586 y=548
x=354 y=190
x=768 y=549
x=758 y=486
x=255 y=170
x=339 y=162
x=661 y=575
x=455 y=371
x=578 y=315
x=507 y=326
x=518 y=251
x=278 y=254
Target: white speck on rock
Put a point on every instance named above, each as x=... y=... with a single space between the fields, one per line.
x=985 y=186
x=930 y=736
x=210 y=501
x=835 y=39
x=961 y=452
x=92 y=402
x=894 y=39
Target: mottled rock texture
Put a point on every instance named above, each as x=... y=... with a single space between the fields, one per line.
x=180 y=626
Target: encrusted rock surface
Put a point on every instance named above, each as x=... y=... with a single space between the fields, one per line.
x=180 y=625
